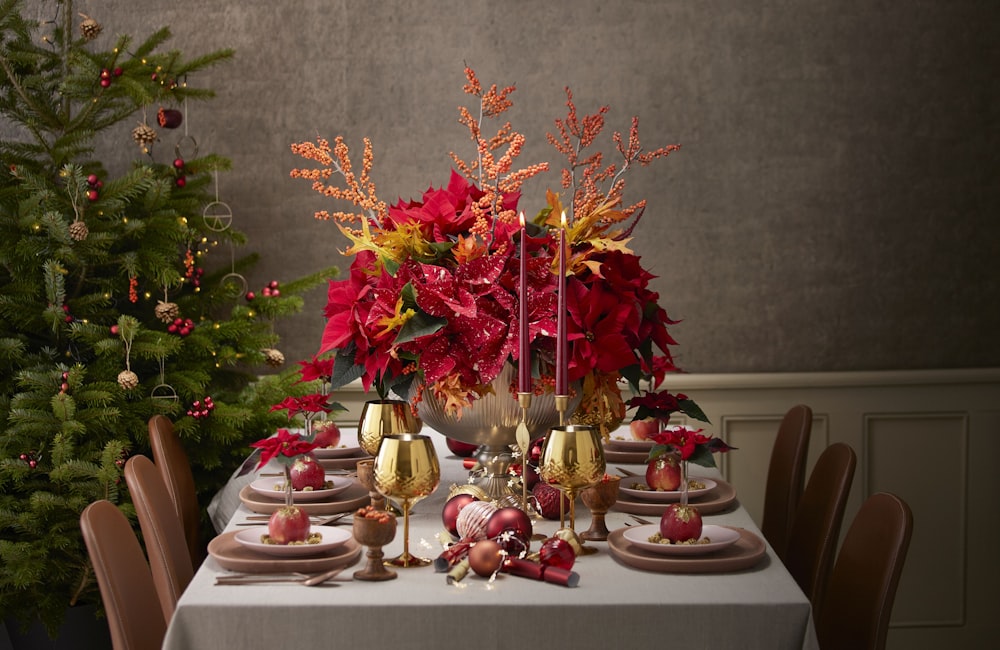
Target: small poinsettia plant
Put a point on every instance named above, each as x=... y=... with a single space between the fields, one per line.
x=284 y=447
x=689 y=444
x=312 y=405
x=660 y=405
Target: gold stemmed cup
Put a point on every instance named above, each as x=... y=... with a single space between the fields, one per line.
x=572 y=459
x=406 y=469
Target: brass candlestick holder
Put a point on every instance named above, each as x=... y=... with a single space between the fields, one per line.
x=523 y=439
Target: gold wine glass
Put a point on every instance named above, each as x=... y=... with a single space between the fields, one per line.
x=407 y=470
x=381 y=418
x=572 y=459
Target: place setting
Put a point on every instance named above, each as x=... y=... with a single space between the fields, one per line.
x=718 y=549
x=635 y=496
x=313 y=489
x=250 y=550
x=344 y=454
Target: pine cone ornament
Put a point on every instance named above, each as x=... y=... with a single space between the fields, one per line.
x=273 y=357
x=128 y=379
x=78 y=230
x=166 y=311
x=90 y=28
x=144 y=135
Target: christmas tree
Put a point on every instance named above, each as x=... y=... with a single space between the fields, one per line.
x=110 y=310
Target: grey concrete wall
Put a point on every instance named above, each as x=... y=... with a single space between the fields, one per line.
x=834 y=206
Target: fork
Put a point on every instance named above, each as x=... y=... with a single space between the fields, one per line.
x=307 y=579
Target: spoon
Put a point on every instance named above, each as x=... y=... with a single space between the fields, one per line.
x=307 y=580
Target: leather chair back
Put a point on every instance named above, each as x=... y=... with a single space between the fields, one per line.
x=862 y=587
x=786 y=475
x=166 y=547
x=812 y=543
x=127 y=591
x=172 y=461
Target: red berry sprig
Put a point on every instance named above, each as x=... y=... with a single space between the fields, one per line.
x=181 y=326
x=201 y=408
x=31 y=458
x=271 y=290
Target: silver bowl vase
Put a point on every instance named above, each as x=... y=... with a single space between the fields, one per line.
x=490 y=422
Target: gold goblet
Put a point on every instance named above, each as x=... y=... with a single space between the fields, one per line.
x=381 y=418
x=407 y=470
x=572 y=459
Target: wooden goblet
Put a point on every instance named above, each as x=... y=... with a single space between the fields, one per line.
x=374 y=534
x=599 y=498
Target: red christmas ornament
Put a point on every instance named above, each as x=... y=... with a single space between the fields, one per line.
x=114 y=330
x=181 y=181
x=169 y=118
x=92 y=195
x=449 y=514
x=558 y=553
x=178 y=163
x=459 y=448
x=92 y=180
x=547 y=500
x=118 y=72
x=509 y=519
x=250 y=295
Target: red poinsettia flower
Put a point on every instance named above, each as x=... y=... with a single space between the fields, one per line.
x=689 y=444
x=660 y=405
x=284 y=446
x=598 y=329
x=314 y=403
x=314 y=369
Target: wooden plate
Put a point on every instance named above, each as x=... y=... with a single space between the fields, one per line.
x=344 y=462
x=352 y=498
x=234 y=556
x=718 y=499
x=745 y=553
x=630 y=457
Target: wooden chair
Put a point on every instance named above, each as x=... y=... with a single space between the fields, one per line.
x=785 y=476
x=126 y=584
x=859 y=596
x=172 y=461
x=812 y=542
x=162 y=532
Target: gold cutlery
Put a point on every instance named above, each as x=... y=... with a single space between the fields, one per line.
x=309 y=580
x=642 y=521
x=627 y=472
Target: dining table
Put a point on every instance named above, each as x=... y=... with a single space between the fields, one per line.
x=622 y=598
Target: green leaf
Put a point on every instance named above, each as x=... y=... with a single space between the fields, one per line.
x=420 y=324
x=691 y=409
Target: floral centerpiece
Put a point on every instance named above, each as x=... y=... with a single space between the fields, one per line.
x=433 y=290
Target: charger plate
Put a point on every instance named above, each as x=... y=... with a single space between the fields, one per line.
x=352 y=498
x=232 y=555
x=745 y=553
x=717 y=499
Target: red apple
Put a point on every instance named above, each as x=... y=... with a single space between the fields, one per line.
x=664 y=473
x=307 y=472
x=459 y=448
x=680 y=523
x=327 y=434
x=644 y=429
x=288 y=524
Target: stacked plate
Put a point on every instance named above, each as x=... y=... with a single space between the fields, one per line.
x=245 y=550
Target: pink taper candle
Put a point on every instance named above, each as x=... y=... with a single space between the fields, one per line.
x=562 y=360
x=524 y=363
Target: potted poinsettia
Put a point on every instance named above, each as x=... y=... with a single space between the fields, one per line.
x=288 y=523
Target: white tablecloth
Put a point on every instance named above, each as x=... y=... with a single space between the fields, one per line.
x=614 y=606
